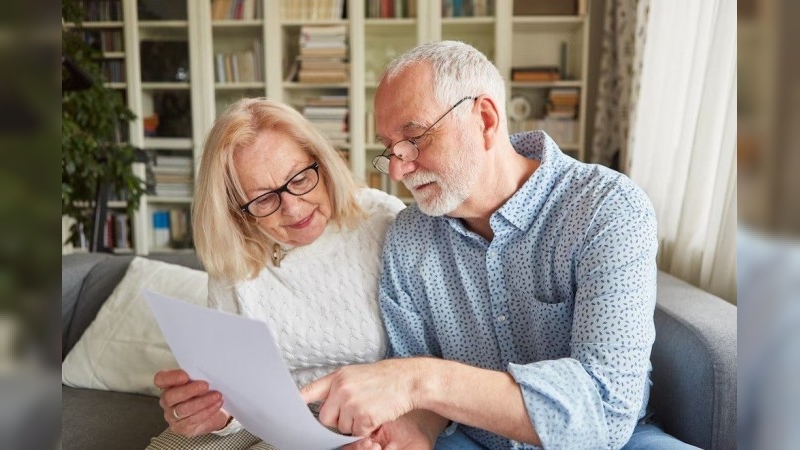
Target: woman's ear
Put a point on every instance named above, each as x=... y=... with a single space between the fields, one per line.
x=489 y=120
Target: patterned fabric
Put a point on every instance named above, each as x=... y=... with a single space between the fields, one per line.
x=237 y=441
x=241 y=440
x=617 y=88
x=562 y=297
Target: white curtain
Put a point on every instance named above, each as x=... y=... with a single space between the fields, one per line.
x=682 y=139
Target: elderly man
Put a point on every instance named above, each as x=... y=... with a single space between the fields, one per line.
x=518 y=292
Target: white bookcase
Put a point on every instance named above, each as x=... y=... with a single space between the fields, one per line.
x=509 y=41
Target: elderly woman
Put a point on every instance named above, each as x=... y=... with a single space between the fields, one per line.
x=286 y=238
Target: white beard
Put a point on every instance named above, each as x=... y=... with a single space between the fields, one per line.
x=450 y=189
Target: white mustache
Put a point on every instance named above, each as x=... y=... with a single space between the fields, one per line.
x=419 y=178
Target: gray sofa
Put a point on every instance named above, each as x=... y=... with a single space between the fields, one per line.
x=694 y=363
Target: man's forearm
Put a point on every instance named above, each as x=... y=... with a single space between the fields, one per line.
x=481 y=398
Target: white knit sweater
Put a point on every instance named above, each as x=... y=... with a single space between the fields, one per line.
x=321 y=303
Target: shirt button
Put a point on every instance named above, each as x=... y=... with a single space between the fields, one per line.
x=501 y=318
x=492 y=253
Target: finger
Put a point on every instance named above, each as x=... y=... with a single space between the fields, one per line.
x=194 y=406
x=184 y=393
x=316 y=391
x=329 y=415
x=165 y=379
x=345 y=423
x=200 y=423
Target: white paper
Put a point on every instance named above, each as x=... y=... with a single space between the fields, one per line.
x=239 y=358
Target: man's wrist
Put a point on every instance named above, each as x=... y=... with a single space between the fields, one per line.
x=427 y=383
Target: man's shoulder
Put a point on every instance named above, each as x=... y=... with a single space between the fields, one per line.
x=609 y=188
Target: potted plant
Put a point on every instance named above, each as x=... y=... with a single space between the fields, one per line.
x=92 y=154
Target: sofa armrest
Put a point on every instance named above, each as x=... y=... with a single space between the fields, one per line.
x=74 y=269
x=694 y=365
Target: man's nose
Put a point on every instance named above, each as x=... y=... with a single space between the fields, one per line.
x=399 y=168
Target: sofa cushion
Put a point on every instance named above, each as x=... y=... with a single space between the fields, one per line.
x=123 y=347
x=97 y=419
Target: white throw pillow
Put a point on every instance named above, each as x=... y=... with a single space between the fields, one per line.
x=123 y=347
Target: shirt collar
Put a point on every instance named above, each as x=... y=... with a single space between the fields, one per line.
x=524 y=206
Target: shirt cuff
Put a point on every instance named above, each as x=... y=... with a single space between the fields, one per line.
x=232 y=427
x=449 y=429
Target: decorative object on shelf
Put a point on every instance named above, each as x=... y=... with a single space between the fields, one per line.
x=519 y=108
x=93 y=161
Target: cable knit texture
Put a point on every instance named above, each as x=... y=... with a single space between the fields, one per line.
x=321 y=303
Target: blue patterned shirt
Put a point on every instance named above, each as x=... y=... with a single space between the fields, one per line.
x=562 y=298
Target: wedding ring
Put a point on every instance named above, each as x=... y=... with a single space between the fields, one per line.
x=175 y=414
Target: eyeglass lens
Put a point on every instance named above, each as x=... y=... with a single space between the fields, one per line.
x=300 y=184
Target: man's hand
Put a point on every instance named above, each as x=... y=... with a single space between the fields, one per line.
x=417 y=430
x=189 y=407
x=358 y=399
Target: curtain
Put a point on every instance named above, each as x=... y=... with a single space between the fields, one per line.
x=624 y=24
x=682 y=141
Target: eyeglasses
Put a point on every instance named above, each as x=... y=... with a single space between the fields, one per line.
x=408 y=149
x=301 y=183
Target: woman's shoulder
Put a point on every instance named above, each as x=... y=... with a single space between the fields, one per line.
x=374 y=201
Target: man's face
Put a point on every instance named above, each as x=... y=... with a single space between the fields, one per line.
x=449 y=161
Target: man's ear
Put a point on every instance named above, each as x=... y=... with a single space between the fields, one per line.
x=489 y=120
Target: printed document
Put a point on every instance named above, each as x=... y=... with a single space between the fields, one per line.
x=239 y=358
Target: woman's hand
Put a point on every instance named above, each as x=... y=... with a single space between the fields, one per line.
x=189 y=407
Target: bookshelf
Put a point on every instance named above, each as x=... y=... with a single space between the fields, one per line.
x=261 y=39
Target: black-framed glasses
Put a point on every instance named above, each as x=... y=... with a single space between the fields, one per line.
x=301 y=183
x=408 y=149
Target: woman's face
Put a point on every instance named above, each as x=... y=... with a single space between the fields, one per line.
x=269 y=163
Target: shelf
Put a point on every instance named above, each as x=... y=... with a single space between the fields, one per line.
x=170 y=250
x=164 y=85
x=253 y=23
x=482 y=20
x=157 y=24
x=168 y=200
x=389 y=22
x=239 y=86
x=162 y=143
x=546 y=84
x=297 y=23
x=113 y=55
x=296 y=85
x=116 y=85
x=103 y=24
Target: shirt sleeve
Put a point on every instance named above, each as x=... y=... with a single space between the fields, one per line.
x=594 y=398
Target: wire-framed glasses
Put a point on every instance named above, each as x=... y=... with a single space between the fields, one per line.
x=408 y=149
x=301 y=183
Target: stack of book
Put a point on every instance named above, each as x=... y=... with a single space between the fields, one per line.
x=536 y=74
x=562 y=103
x=329 y=114
x=323 y=55
x=173 y=176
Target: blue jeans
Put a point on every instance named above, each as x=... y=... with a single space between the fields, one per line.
x=645 y=437
x=650 y=436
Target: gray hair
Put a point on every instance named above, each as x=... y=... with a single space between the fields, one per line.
x=459 y=70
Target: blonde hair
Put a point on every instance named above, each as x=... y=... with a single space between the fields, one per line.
x=229 y=242
x=459 y=70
